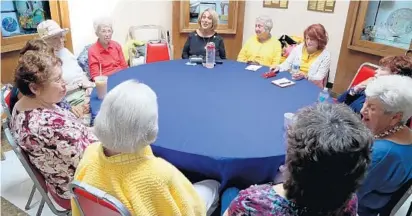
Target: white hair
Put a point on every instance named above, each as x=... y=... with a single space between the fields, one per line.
x=127 y=120
x=267 y=22
x=102 y=22
x=395 y=93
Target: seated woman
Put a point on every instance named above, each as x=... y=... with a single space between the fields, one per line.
x=106 y=55
x=328 y=153
x=387 y=107
x=52 y=137
x=124 y=166
x=81 y=111
x=311 y=56
x=262 y=48
x=355 y=96
x=206 y=33
x=78 y=86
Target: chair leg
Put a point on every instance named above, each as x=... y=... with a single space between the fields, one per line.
x=33 y=189
x=39 y=211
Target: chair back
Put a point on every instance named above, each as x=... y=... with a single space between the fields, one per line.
x=93 y=201
x=36 y=176
x=365 y=71
x=397 y=200
x=157 y=51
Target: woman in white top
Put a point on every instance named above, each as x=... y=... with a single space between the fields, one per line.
x=77 y=84
x=311 y=57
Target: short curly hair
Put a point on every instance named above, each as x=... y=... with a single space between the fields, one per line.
x=34 y=67
x=37 y=45
x=317 y=32
x=401 y=65
x=328 y=154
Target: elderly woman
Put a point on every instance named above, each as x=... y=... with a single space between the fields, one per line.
x=52 y=137
x=387 y=107
x=105 y=56
x=78 y=85
x=262 y=48
x=81 y=111
x=124 y=166
x=327 y=157
x=355 y=96
x=206 y=33
x=311 y=57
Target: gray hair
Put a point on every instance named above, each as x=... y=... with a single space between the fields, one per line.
x=395 y=93
x=326 y=138
x=127 y=120
x=267 y=22
x=102 y=22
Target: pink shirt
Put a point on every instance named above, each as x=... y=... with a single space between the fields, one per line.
x=111 y=59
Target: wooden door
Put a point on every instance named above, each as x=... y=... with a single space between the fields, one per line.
x=232 y=32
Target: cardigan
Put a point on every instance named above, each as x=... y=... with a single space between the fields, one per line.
x=145 y=184
x=317 y=71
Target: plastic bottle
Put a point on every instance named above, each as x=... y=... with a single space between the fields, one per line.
x=210 y=55
x=323 y=95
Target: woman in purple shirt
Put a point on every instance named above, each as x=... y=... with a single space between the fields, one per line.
x=327 y=156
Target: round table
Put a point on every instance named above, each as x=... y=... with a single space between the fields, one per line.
x=224 y=123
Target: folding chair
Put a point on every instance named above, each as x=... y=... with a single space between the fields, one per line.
x=39 y=181
x=92 y=201
x=157 y=51
x=365 y=71
x=397 y=200
x=154 y=36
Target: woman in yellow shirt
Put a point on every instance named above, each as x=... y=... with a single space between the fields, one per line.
x=123 y=164
x=262 y=48
x=311 y=57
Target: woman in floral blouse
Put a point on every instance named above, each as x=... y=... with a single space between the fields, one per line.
x=53 y=138
x=327 y=156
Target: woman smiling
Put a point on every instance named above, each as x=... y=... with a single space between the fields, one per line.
x=206 y=33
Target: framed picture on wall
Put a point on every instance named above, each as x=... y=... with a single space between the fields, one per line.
x=9 y=24
x=203 y=6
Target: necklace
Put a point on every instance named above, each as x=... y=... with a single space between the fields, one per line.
x=389 y=132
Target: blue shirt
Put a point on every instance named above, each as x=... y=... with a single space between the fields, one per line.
x=391 y=167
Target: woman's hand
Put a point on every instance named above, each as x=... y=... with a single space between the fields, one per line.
x=78 y=111
x=298 y=76
x=274 y=68
x=87 y=84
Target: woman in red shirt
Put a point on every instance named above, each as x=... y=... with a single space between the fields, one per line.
x=105 y=55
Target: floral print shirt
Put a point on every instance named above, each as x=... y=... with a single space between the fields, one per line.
x=54 y=140
x=262 y=200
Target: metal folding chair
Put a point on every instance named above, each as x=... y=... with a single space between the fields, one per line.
x=150 y=34
x=39 y=181
x=365 y=71
x=93 y=201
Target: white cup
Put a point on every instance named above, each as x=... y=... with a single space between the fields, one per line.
x=288 y=119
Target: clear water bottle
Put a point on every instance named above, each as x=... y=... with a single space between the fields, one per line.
x=323 y=96
x=210 y=55
x=295 y=67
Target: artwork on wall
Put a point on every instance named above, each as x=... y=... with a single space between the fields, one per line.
x=326 y=6
x=9 y=24
x=31 y=13
x=282 y=4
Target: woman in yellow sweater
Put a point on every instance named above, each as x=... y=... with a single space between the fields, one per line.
x=123 y=164
x=262 y=48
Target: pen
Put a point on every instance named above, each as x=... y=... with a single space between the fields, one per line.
x=283 y=83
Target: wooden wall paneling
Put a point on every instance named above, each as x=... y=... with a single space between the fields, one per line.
x=233 y=42
x=10 y=47
x=350 y=60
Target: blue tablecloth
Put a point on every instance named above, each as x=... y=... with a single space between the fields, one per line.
x=225 y=123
